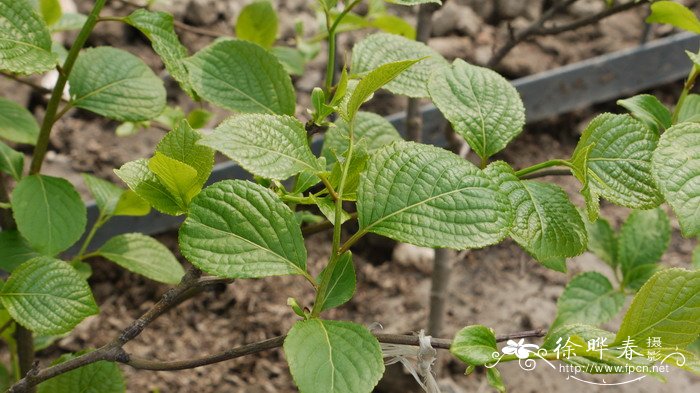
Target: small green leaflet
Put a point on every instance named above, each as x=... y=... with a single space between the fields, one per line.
x=643 y=239
x=341 y=285
x=50 y=11
x=333 y=357
x=179 y=178
x=270 y=146
x=670 y=12
x=430 y=197
x=14 y=250
x=668 y=307
x=648 y=109
x=242 y=76
x=99 y=377
x=257 y=23
x=482 y=106
x=116 y=84
x=381 y=48
x=146 y=185
x=143 y=255
x=182 y=144
x=690 y=111
x=602 y=240
x=474 y=345
x=49 y=213
x=238 y=229
x=11 y=161
x=25 y=41
x=114 y=201
x=588 y=298
x=677 y=172
x=375 y=130
x=47 y=296
x=17 y=124
x=327 y=207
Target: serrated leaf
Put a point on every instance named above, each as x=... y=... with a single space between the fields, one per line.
x=643 y=239
x=327 y=207
x=619 y=161
x=25 y=42
x=429 y=197
x=648 y=109
x=670 y=12
x=242 y=76
x=381 y=48
x=341 y=285
x=257 y=23
x=49 y=213
x=14 y=250
x=130 y=204
x=690 y=111
x=474 y=345
x=106 y=194
x=602 y=241
x=668 y=307
x=676 y=170
x=333 y=356
x=98 y=377
x=143 y=255
x=270 y=146
x=17 y=124
x=579 y=168
x=238 y=229
x=11 y=161
x=160 y=30
x=146 y=185
x=179 y=178
x=546 y=224
x=482 y=106
x=373 y=81
x=182 y=144
x=116 y=84
x=47 y=296
x=588 y=298
x=375 y=130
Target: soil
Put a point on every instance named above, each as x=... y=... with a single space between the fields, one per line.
x=501 y=287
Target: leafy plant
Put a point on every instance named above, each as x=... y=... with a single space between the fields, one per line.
x=423 y=195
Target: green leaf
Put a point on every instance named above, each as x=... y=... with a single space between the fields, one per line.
x=382 y=48
x=238 y=229
x=69 y=21
x=373 y=81
x=147 y=186
x=327 y=206
x=619 y=162
x=130 y=204
x=49 y=213
x=474 y=345
x=11 y=161
x=648 y=109
x=257 y=23
x=182 y=144
x=143 y=255
x=14 y=250
x=482 y=106
x=47 y=296
x=98 y=377
x=670 y=12
x=394 y=25
x=493 y=376
x=602 y=241
x=179 y=178
x=291 y=59
x=333 y=356
x=270 y=146
x=690 y=111
x=677 y=172
x=16 y=123
x=352 y=177
x=242 y=76
x=375 y=130
x=116 y=84
x=546 y=223
x=694 y=57
x=160 y=30
x=199 y=118
x=429 y=197
x=50 y=11
x=588 y=298
x=106 y=194
x=668 y=307
x=342 y=283
x=643 y=239
x=25 y=42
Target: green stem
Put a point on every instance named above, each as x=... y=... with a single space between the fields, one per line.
x=330 y=66
x=52 y=107
x=687 y=87
x=97 y=225
x=543 y=165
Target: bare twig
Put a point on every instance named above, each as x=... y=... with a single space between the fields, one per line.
x=589 y=20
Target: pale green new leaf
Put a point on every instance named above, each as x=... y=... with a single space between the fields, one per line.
x=474 y=345
x=643 y=239
x=50 y=10
x=678 y=15
x=98 y=377
x=106 y=194
x=327 y=207
x=546 y=224
x=47 y=296
x=333 y=357
x=17 y=124
x=270 y=146
x=143 y=255
x=588 y=298
x=130 y=204
x=381 y=48
x=619 y=161
x=373 y=81
x=677 y=172
x=182 y=144
x=14 y=250
x=160 y=30
x=238 y=229
x=242 y=76
x=11 y=161
x=430 y=197
x=116 y=84
x=49 y=213
x=668 y=307
x=602 y=241
x=648 y=109
x=25 y=41
x=179 y=178
x=146 y=185
x=482 y=106
x=257 y=23
x=352 y=177
x=341 y=285
x=375 y=130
